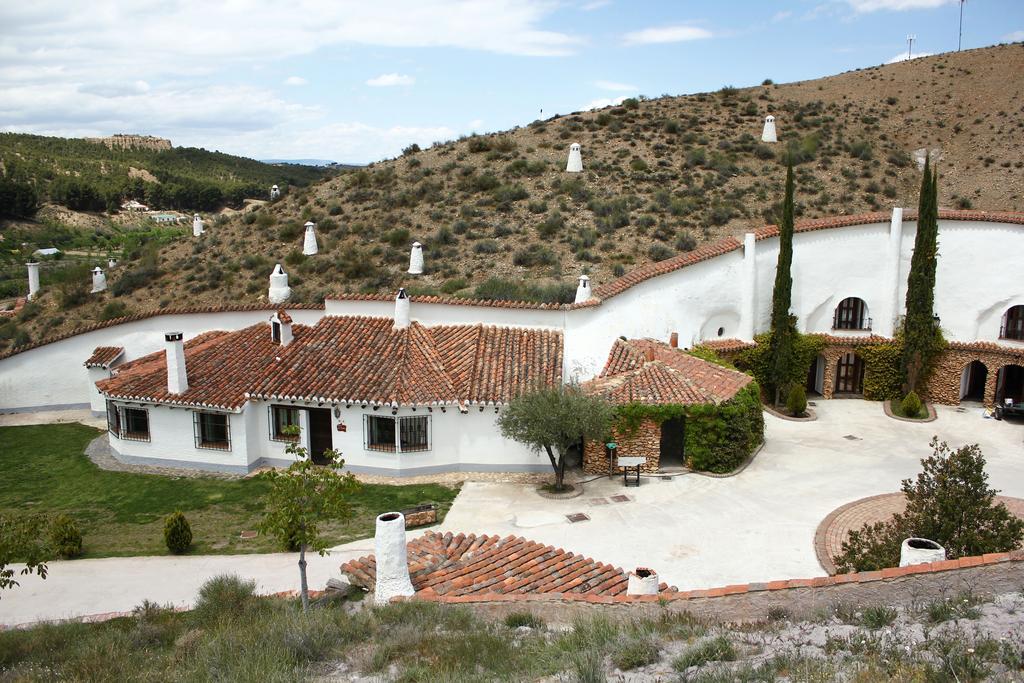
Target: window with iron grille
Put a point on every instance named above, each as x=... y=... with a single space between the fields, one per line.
x=280 y=418
x=135 y=424
x=212 y=430
x=113 y=419
x=1013 y=326
x=396 y=434
x=851 y=314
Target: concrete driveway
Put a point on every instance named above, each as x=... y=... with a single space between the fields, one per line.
x=696 y=531
x=701 y=532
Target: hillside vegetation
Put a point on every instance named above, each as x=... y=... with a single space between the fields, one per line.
x=500 y=218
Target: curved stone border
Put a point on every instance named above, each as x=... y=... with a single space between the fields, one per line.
x=811 y=415
x=576 y=492
x=830 y=533
x=932 y=415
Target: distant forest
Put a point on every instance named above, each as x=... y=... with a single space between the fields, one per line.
x=89 y=176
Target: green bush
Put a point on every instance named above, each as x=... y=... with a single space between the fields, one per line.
x=114 y=309
x=517 y=619
x=65 y=537
x=754 y=361
x=882 y=375
x=177 y=533
x=633 y=651
x=135 y=279
x=534 y=255
x=224 y=597
x=659 y=252
x=911 y=405
x=796 y=403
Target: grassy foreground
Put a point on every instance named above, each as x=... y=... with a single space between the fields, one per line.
x=121 y=513
x=232 y=635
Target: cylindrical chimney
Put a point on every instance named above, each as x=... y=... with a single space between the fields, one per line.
x=673 y=340
x=402 y=318
x=99 y=280
x=33 y=279
x=279 y=290
x=177 y=375
x=575 y=163
x=309 y=246
x=583 y=291
x=416 y=259
x=768 y=133
x=197 y=226
x=642 y=581
x=391 y=559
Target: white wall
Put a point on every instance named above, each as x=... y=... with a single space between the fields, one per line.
x=431 y=314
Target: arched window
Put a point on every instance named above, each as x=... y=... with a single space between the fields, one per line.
x=1013 y=324
x=851 y=314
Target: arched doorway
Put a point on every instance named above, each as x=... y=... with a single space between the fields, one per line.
x=1010 y=384
x=849 y=375
x=972 y=381
x=816 y=377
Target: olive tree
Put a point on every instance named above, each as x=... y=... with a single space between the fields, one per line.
x=554 y=420
x=301 y=497
x=23 y=539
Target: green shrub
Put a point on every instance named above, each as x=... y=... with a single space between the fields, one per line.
x=796 y=403
x=135 y=279
x=114 y=309
x=517 y=619
x=534 y=255
x=878 y=617
x=65 y=537
x=717 y=649
x=911 y=405
x=224 y=597
x=634 y=651
x=177 y=533
x=659 y=252
x=452 y=286
x=551 y=226
x=882 y=374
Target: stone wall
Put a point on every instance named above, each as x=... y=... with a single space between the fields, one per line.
x=645 y=442
x=944 y=384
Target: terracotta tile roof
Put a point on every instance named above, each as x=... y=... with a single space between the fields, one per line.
x=466 y=564
x=352 y=359
x=647 y=371
x=651 y=270
x=103 y=356
x=283 y=316
x=726 y=345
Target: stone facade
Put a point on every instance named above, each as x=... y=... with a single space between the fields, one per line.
x=645 y=442
x=944 y=384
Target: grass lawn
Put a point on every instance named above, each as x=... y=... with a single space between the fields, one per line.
x=121 y=513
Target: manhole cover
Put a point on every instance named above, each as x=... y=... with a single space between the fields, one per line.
x=247 y=534
x=961 y=410
x=665 y=478
x=621 y=498
x=851 y=437
x=598 y=501
x=811 y=403
x=577 y=517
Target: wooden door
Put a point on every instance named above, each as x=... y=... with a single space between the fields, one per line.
x=320 y=438
x=850 y=374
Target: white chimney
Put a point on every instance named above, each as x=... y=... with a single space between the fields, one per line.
x=197 y=226
x=575 y=164
x=279 y=290
x=583 y=291
x=33 y=279
x=401 y=310
x=642 y=581
x=177 y=376
x=768 y=133
x=416 y=259
x=275 y=192
x=99 y=280
x=391 y=558
x=281 y=327
x=309 y=246
x=111 y=262
x=920 y=551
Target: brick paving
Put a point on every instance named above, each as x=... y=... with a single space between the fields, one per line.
x=832 y=531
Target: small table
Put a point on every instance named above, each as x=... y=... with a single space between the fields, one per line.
x=628 y=461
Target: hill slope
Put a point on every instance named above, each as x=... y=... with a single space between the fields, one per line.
x=500 y=218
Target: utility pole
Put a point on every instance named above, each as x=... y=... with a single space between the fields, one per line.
x=910 y=44
x=960 y=35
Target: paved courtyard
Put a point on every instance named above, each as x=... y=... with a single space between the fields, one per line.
x=696 y=531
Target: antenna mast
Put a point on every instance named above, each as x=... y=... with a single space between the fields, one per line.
x=910 y=45
x=960 y=35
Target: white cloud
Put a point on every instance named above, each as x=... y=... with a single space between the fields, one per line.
x=390 y=80
x=781 y=16
x=295 y=80
x=902 y=57
x=863 y=6
x=594 y=4
x=1014 y=37
x=614 y=86
x=602 y=102
x=665 y=34
x=476 y=124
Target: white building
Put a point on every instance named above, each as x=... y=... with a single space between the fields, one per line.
x=393 y=398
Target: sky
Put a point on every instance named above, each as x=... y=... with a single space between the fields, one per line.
x=357 y=80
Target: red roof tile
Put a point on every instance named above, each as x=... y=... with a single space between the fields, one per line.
x=466 y=564
x=103 y=356
x=647 y=371
x=726 y=345
x=352 y=359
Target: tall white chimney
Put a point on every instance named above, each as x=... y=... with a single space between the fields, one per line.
x=391 y=558
x=275 y=192
x=111 y=262
x=575 y=163
x=401 y=310
x=99 y=280
x=33 y=279
x=416 y=259
x=197 y=226
x=177 y=376
x=583 y=291
x=309 y=246
x=279 y=291
x=768 y=133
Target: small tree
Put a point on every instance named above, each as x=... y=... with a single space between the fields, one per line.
x=949 y=503
x=177 y=533
x=22 y=539
x=781 y=354
x=301 y=498
x=65 y=537
x=555 y=420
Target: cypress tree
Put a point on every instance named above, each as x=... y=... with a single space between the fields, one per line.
x=921 y=336
x=783 y=329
